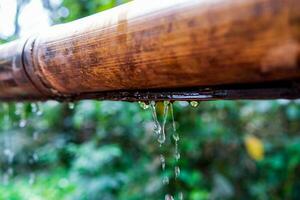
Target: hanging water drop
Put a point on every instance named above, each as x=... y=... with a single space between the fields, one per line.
x=157 y=127
x=169 y=197
x=71 y=105
x=172 y=115
x=194 y=104
x=162 y=137
x=175 y=135
x=162 y=161
x=143 y=105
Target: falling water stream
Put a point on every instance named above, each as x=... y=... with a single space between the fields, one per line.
x=160 y=133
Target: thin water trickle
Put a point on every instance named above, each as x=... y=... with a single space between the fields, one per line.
x=160 y=132
x=173 y=119
x=177 y=171
x=157 y=127
x=162 y=137
x=175 y=134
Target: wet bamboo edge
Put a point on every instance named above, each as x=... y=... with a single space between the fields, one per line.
x=151 y=50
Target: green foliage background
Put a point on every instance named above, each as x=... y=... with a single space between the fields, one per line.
x=107 y=150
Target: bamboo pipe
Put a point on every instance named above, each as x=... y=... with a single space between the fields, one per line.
x=155 y=46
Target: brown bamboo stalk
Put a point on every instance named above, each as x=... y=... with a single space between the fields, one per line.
x=156 y=47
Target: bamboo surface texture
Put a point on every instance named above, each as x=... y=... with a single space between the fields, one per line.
x=158 y=49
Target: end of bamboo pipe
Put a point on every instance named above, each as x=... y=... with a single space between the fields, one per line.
x=14 y=80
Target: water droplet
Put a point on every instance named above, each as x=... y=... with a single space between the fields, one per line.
x=177 y=155
x=175 y=134
x=157 y=127
x=194 y=104
x=71 y=105
x=162 y=161
x=143 y=105
x=177 y=171
x=173 y=119
x=166 y=180
x=169 y=197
